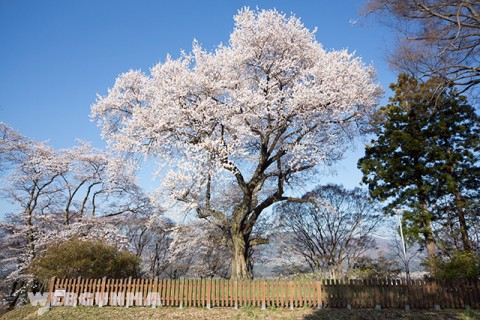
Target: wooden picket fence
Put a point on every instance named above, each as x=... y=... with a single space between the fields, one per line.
x=264 y=293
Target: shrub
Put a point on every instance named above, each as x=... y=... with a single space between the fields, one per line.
x=462 y=265
x=379 y=268
x=88 y=259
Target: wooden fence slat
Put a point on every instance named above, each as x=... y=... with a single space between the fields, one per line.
x=133 y=290
x=175 y=292
x=243 y=292
x=463 y=294
x=476 y=284
x=224 y=293
x=444 y=295
x=112 y=286
x=311 y=293
x=455 y=294
x=217 y=292
x=190 y=287
x=257 y=293
x=182 y=292
x=396 y=294
x=115 y=289
x=196 y=292
x=302 y=292
x=177 y=286
x=171 y=292
x=164 y=292
x=336 y=293
x=235 y=289
x=414 y=298
x=421 y=295
x=371 y=294
x=291 y=294
x=403 y=298
x=429 y=294
x=383 y=293
x=228 y=284
x=251 y=292
x=202 y=293
x=231 y=288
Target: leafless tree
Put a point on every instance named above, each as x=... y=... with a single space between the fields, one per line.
x=333 y=230
x=438 y=38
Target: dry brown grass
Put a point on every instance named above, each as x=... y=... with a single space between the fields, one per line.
x=117 y=313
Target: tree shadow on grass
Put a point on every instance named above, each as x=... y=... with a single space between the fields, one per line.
x=372 y=314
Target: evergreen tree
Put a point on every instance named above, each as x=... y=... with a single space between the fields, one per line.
x=425 y=159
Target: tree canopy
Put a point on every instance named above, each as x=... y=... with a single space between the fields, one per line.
x=231 y=128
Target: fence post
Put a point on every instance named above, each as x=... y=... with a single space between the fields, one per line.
x=50 y=292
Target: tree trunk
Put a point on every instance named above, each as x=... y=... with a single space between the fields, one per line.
x=459 y=204
x=30 y=235
x=240 y=263
x=429 y=244
x=428 y=233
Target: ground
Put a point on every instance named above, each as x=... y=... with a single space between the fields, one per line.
x=116 y=313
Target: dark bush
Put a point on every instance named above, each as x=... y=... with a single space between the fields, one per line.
x=87 y=259
x=461 y=265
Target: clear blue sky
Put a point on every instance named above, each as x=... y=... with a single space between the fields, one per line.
x=57 y=54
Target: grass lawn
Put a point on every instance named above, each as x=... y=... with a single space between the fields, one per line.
x=117 y=313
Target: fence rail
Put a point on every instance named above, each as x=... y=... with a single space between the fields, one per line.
x=208 y=293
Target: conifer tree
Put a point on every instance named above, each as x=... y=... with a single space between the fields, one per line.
x=424 y=160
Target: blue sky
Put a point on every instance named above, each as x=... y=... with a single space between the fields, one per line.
x=57 y=55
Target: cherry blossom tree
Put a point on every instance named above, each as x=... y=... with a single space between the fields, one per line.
x=233 y=129
x=80 y=192
x=29 y=181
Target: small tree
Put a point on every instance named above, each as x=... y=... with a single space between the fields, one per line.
x=333 y=231
x=88 y=259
